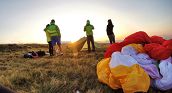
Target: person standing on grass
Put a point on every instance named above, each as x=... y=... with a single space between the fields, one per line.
x=55 y=35
x=49 y=40
x=109 y=31
x=88 y=29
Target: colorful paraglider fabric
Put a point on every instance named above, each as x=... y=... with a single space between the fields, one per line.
x=105 y=76
x=128 y=50
x=157 y=39
x=138 y=47
x=149 y=47
x=103 y=70
x=134 y=60
x=114 y=83
x=168 y=44
x=157 y=51
x=138 y=38
x=143 y=59
x=152 y=71
x=113 y=48
x=132 y=79
x=122 y=71
x=161 y=53
x=148 y=65
x=165 y=82
x=119 y=59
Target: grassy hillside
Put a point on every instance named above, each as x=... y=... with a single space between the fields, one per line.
x=60 y=74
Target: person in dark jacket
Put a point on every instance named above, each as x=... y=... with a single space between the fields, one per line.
x=109 y=31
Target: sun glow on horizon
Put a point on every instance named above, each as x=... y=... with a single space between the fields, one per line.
x=24 y=23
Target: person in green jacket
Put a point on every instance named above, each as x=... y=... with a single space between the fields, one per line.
x=88 y=29
x=55 y=35
x=49 y=40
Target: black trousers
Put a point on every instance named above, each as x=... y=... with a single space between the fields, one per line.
x=50 y=48
x=90 y=38
x=111 y=38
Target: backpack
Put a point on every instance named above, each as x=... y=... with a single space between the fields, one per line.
x=31 y=55
x=41 y=53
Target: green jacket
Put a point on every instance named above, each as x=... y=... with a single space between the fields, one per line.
x=53 y=30
x=47 y=35
x=88 y=28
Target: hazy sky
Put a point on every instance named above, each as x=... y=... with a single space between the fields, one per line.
x=23 y=21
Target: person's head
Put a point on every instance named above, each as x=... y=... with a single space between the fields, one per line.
x=88 y=22
x=52 y=21
x=110 y=21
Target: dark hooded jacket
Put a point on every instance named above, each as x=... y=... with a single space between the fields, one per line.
x=109 y=28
